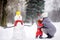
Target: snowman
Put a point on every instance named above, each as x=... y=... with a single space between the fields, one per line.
x=18 y=33
x=18 y=18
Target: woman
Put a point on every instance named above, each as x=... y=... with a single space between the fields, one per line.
x=49 y=28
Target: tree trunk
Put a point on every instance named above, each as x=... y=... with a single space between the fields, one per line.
x=0 y=11
x=4 y=15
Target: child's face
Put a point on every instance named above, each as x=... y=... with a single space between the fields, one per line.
x=41 y=19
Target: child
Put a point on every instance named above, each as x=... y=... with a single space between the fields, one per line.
x=39 y=31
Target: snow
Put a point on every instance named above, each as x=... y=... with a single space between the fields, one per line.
x=6 y=34
x=26 y=32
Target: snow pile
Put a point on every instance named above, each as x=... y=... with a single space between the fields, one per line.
x=6 y=34
x=18 y=32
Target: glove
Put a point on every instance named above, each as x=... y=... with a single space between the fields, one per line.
x=43 y=27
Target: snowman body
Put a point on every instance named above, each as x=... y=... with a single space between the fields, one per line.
x=18 y=33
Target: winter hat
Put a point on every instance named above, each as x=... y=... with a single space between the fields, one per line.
x=45 y=14
x=18 y=13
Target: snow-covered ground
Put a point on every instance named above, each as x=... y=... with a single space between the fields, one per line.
x=29 y=33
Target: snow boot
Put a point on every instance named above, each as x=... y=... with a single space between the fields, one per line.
x=49 y=36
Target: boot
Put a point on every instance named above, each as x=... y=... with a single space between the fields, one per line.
x=36 y=36
x=40 y=37
x=49 y=36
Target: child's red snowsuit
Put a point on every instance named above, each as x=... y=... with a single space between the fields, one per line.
x=39 y=31
x=15 y=23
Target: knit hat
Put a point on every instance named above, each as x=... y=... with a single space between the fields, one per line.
x=45 y=14
x=18 y=13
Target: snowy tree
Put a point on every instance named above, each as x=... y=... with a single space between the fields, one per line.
x=53 y=9
x=33 y=8
x=13 y=6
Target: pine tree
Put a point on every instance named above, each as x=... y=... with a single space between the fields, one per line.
x=33 y=8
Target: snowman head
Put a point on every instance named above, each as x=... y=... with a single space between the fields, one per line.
x=18 y=13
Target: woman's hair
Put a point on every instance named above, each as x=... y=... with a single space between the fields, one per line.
x=40 y=21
